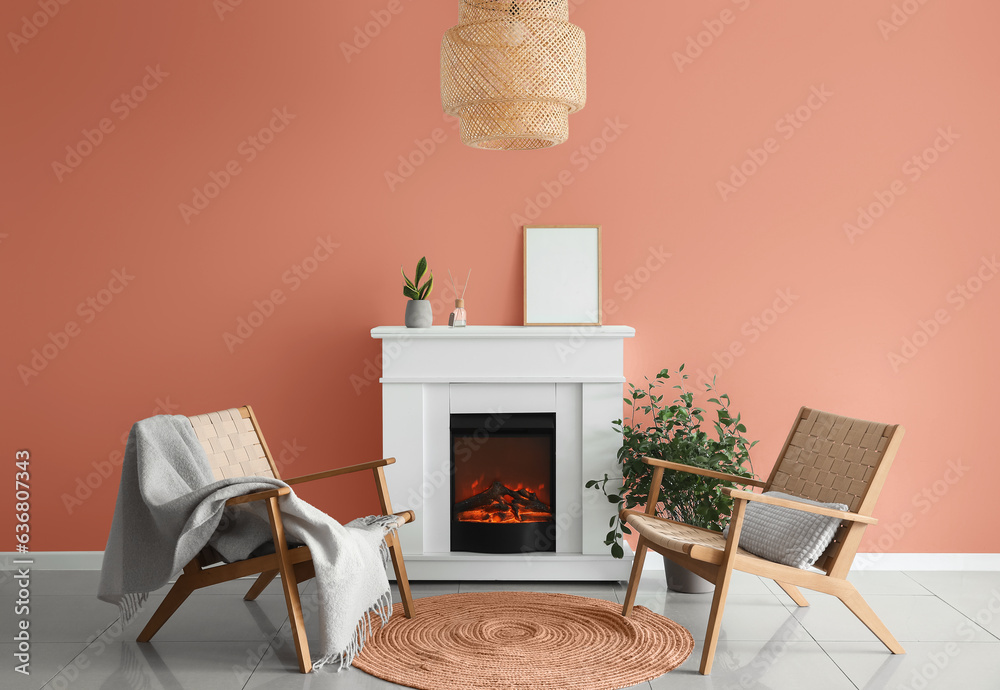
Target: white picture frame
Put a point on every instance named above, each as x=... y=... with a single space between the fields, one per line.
x=562 y=275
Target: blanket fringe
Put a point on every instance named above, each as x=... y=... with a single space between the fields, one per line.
x=382 y=606
x=383 y=609
x=130 y=604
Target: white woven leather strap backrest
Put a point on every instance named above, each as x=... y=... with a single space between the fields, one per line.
x=231 y=444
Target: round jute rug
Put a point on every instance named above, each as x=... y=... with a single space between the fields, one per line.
x=523 y=640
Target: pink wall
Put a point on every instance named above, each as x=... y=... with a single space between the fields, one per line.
x=839 y=100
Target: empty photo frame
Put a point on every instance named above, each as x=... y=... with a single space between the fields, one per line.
x=562 y=275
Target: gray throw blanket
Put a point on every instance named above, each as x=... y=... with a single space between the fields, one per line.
x=169 y=507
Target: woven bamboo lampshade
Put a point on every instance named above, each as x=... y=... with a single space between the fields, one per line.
x=513 y=71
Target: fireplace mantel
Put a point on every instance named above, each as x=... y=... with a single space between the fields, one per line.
x=430 y=373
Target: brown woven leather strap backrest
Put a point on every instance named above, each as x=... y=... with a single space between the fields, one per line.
x=837 y=459
x=831 y=459
x=233 y=444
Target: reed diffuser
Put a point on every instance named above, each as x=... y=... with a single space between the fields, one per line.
x=457 y=318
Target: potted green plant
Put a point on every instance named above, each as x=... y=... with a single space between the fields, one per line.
x=674 y=432
x=418 y=309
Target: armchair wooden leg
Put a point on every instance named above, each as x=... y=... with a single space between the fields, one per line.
x=290 y=585
x=715 y=619
x=395 y=549
x=260 y=585
x=722 y=580
x=175 y=597
x=633 y=578
x=402 y=582
x=860 y=608
x=793 y=592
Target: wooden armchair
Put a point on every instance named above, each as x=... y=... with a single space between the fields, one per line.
x=825 y=458
x=235 y=447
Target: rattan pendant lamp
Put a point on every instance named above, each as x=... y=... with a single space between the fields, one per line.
x=513 y=71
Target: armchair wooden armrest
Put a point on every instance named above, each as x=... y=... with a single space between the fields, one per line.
x=666 y=464
x=407 y=515
x=374 y=464
x=804 y=507
x=259 y=496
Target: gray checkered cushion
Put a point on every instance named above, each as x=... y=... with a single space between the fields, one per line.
x=787 y=536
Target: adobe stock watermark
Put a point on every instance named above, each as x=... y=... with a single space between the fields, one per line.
x=247 y=150
x=580 y=160
x=956 y=299
x=922 y=678
x=96 y=646
x=784 y=640
x=275 y=643
x=363 y=34
x=983 y=617
x=294 y=277
x=625 y=287
x=372 y=369
x=31 y=25
x=697 y=44
x=913 y=169
x=562 y=521
x=444 y=298
x=89 y=482
x=751 y=330
x=87 y=310
x=923 y=502
x=787 y=126
x=22 y=542
x=224 y=7
x=634 y=280
x=122 y=106
x=423 y=149
x=900 y=15
x=465 y=447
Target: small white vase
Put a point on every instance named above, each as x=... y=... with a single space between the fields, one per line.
x=418 y=314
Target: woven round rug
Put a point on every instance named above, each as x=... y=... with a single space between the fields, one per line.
x=523 y=640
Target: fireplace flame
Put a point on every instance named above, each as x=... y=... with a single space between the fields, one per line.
x=504 y=504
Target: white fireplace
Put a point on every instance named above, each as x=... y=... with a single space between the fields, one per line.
x=430 y=374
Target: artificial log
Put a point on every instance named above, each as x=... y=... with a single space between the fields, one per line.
x=491 y=499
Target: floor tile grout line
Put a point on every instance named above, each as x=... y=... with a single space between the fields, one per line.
x=86 y=646
x=270 y=646
x=817 y=642
x=830 y=656
x=834 y=662
x=969 y=618
x=776 y=595
x=919 y=584
x=66 y=665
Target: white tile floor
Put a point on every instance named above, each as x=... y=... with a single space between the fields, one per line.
x=949 y=623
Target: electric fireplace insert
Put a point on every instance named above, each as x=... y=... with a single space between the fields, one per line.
x=503 y=482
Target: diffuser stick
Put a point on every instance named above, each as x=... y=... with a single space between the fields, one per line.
x=457 y=318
